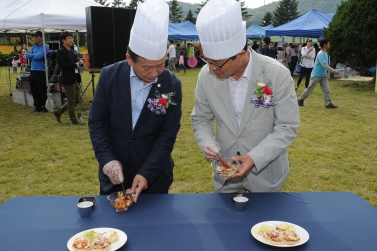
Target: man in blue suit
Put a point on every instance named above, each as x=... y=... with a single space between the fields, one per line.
x=136 y=111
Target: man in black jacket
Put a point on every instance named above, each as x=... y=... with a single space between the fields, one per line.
x=266 y=50
x=69 y=66
x=136 y=111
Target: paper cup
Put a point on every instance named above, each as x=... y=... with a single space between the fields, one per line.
x=85 y=208
x=240 y=203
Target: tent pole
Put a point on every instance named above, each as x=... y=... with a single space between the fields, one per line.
x=27 y=42
x=46 y=68
x=78 y=42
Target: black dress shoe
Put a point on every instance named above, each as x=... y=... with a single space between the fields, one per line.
x=331 y=106
x=80 y=123
x=300 y=102
x=57 y=116
x=44 y=110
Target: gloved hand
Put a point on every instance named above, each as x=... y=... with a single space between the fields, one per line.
x=210 y=150
x=114 y=170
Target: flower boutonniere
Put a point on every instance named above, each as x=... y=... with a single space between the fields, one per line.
x=159 y=104
x=264 y=96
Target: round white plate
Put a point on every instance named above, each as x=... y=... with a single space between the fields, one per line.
x=302 y=233
x=114 y=246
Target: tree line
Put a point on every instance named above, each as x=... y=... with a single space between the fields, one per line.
x=176 y=14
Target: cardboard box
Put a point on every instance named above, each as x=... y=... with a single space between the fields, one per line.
x=20 y=96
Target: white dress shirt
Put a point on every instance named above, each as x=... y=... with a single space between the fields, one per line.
x=139 y=94
x=238 y=89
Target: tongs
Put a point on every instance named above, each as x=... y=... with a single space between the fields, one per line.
x=223 y=162
x=130 y=195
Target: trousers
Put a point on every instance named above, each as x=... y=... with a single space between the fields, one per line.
x=38 y=89
x=171 y=65
x=72 y=92
x=304 y=72
x=323 y=82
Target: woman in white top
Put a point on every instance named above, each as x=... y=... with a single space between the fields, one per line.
x=307 y=63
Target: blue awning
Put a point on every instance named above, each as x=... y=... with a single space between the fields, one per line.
x=310 y=24
x=182 y=31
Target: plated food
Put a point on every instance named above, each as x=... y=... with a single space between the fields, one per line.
x=120 y=201
x=280 y=234
x=97 y=239
x=224 y=172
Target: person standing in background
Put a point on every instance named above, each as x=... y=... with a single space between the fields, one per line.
x=15 y=62
x=319 y=75
x=171 y=52
x=23 y=60
x=266 y=50
x=255 y=46
x=181 y=63
x=307 y=63
x=177 y=53
x=190 y=52
x=37 y=76
x=69 y=66
x=292 y=57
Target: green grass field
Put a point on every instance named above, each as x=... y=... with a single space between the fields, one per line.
x=335 y=150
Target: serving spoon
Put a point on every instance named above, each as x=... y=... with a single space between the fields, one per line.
x=223 y=162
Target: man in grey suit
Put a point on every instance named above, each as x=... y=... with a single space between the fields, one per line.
x=250 y=97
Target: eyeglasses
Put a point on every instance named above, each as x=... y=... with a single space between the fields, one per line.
x=205 y=60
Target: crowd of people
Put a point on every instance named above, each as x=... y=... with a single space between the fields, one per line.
x=136 y=110
x=302 y=60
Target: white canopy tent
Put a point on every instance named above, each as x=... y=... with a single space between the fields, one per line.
x=50 y=15
x=18 y=16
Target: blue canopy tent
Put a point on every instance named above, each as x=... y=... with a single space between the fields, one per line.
x=310 y=24
x=270 y=26
x=255 y=31
x=182 y=31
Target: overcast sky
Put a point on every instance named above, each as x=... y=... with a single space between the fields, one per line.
x=248 y=3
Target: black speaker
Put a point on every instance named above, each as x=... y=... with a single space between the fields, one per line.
x=108 y=32
x=22 y=82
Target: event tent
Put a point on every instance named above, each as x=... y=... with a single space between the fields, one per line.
x=50 y=15
x=310 y=24
x=270 y=26
x=182 y=31
x=19 y=16
x=255 y=31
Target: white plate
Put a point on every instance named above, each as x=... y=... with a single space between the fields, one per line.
x=114 y=246
x=302 y=233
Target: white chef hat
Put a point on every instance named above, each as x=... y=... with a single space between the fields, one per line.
x=149 y=31
x=221 y=31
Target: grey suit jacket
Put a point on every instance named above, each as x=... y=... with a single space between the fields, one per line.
x=264 y=133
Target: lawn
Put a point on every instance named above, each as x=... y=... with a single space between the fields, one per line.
x=335 y=150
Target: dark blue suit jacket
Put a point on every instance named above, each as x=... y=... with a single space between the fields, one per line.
x=152 y=140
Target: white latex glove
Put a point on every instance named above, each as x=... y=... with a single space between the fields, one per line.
x=210 y=150
x=114 y=170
